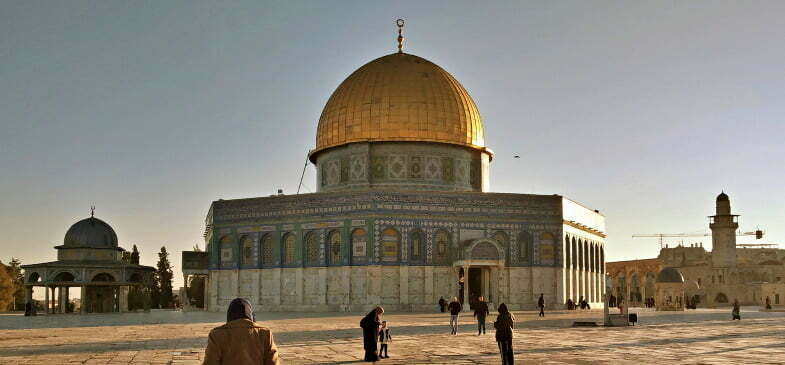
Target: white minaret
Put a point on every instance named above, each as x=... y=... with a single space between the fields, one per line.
x=723 y=234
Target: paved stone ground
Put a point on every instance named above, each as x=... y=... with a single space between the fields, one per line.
x=693 y=337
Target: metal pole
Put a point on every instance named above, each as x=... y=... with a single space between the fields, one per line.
x=303 y=174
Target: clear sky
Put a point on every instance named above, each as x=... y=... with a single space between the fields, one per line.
x=151 y=110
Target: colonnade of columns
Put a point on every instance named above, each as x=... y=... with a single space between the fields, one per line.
x=584 y=264
x=57 y=298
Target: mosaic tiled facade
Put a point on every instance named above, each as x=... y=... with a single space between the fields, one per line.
x=350 y=250
x=402 y=165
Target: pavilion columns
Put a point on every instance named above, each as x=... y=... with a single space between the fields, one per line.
x=60 y=300
x=83 y=300
x=46 y=299
x=123 y=299
x=28 y=295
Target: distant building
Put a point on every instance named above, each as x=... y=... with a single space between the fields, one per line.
x=89 y=259
x=713 y=278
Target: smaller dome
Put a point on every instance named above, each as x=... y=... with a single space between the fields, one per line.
x=90 y=232
x=670 y=275
x=722 y=197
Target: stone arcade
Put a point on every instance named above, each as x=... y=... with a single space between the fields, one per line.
x=402 y=215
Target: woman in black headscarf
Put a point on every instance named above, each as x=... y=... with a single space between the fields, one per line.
x=504 y=324
x=370 y=325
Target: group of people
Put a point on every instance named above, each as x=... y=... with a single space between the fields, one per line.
x=504 y=322
x=582 y=304
x=243 y=341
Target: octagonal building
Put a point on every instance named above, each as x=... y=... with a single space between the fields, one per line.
x=402 y=215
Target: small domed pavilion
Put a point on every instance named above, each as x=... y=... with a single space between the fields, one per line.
x=90 y=259
x=670 y=290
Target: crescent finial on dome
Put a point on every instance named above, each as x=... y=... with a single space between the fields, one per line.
x=399 y=23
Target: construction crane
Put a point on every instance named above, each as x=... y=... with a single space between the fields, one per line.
x=757 y=233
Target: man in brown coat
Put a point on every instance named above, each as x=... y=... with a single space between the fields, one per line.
x=241 y=340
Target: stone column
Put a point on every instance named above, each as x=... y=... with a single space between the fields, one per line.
x=465 y=288
x=486 y=273
x=123 y=298
x=67 y=299
x=206 y=292
x=185 y=298
x=83 y=300
x=46 y=299
x=403 y=287
x=28 y=295
x=58 y=294
x=429 y=295
x=590 y=274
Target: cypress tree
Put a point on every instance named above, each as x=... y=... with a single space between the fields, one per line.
x=164 y=275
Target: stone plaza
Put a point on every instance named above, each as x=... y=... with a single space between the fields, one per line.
x=704 y=336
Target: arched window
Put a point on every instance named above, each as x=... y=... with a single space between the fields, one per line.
x=442 y=242
x=267 y=250
x=248 y=252
x=359 y=238
x=312 y=248
x=568 y=251
x=390 y=243
x=416 y=243
x=525 y=241
x=547 y=248
x=335 y=247
x=227 y=256
x=289 y=249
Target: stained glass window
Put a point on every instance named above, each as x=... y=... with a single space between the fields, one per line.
x=442 y=241
x=416 y=243
x=358 y=242
x=525 y=240
x=390 y=242
x=267 y=249
x=335 y=247
x=289 y=247
x=312 y=248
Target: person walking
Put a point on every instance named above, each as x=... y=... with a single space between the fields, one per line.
x=480 y=311
x=455 y=308
x=504 y=325
x=370 y=325
x=442 y=304
x=736 y=312
x=241 y=340
x=541 y=305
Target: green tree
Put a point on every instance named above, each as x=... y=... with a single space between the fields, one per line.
x=135 y=293
x=7 y=289
x=164 y=275
x=196 y=290
x=135 y=256
x=15 y=270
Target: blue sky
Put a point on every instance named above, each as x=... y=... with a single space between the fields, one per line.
x=151 y=110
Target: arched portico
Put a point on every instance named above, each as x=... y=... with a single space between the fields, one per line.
x=483 y=258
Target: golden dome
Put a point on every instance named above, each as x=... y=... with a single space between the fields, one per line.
x=400 y=97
